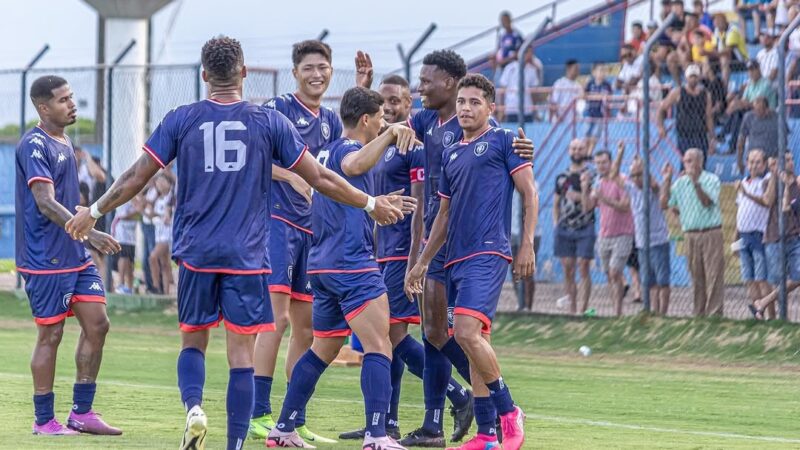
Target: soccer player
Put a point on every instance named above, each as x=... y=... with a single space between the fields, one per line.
x=290 y=232
x=349 y=291
x=437 y=128
x=226 y=148
x=60 y=277
x=478 y=249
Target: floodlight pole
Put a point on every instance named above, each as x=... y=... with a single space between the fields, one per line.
x=406 y=57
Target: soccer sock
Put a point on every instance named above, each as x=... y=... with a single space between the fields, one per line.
x=82 y=397
x=239 y=405
x=305 y=375
x=392 y=419
x=376 y=386
x=501 y=396
x=43 y=407
x=485 y=416
x=263 y=389
x=435 y=377
x=458 y=358
x=457 y=394
x=300 y=420
x=410 y=351
x=191 y=376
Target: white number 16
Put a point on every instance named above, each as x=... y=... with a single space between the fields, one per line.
x=223 y=146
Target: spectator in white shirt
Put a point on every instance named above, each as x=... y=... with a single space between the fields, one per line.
x=565 y=91
x=123 y=228
x=631 y=71
x=509 y=84
x=768 y=56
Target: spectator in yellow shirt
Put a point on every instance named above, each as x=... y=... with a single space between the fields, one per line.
x=729 y=46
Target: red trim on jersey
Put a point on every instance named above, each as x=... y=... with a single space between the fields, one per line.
x=65 y=140
x=153 y=155
x=392 y=258
x=442 y=195
x=54 y=271
x=417 y=174
x=440 y=123
x=318 y=271
x=39 y=179
x=415 y=320
x=51 y=320
x=299 y=158
x=280 y=289
x=463 y=142
x=506 y=257
x=292 y=224
x=232 y=102
x=250 y=329
x=487 y=324
x=192 y=328
x=88 y=299
x=354 y=313
x=310 y=111
x=227 y=271
x=520 y=167
x=300 y=297
x=332 y=333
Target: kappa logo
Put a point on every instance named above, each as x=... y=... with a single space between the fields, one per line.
x=389 y=154
x=37 y=154
x=453 y=156
x=308 y=286
x=481 y=148
x=95 y=287
x=448 y=138
x=430 y=131
x=36 y=140
x=270 y=104
x=302 y=122
x=61 y=157
x=326 y=130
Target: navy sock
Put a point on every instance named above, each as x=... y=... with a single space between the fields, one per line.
x=485 y=416
x=305 y=375
x=239 y=405
x=392 y=419
x=43 y=407
x=457 y=394
x=300 y=420
x=191 y=376
x=82 y=397
x=413 y=354
x=263 y=389
x=458 y=358
x=376 y=374
x=435 y=377
x=501 y=396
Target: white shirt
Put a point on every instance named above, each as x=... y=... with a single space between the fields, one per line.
x=631 y=70
x=565 y=91
x=794 y=41
x=150 y=198
x=767 y=60
x=509 y=81
x=750 y=216
x=124 y=230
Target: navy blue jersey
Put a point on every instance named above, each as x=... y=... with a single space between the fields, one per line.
x=476 y=177
x=43 y=247
x=317 y=129
x=226 y=152
x=343 y=239
x=436 y=136
x=392 y=173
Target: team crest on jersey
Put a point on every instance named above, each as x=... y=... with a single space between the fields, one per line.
x=290 y=270
x=302 y=122
x=481 y=148
x=66 y=300
x=326 y=130
x=450 y=316
x=61 y=157
x=36 y=153
x=448 y=138
x=389 y=154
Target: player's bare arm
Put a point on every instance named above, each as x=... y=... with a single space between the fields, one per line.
x=294 y=180
x=525 y=259
x=130 y=183
x=413 y=284
x=417 y=225
x=360 y=162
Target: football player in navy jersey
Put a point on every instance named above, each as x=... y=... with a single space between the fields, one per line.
x=221 y=220
x=61 y=279
x=478 y=250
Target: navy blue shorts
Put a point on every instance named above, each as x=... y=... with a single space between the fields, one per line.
x=51 y=295
x=288 y=257
x=339 y=297
x=660 y=269
x=206 y=298
x=475 y=285
x=574 y=243
x=436 y=271
x=401 y=310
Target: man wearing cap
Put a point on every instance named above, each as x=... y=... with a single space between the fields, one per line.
x=694 y=119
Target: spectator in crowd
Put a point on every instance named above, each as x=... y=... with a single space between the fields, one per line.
x=688 y=37
x=730 y=48
x=573 y=220
x=90 y=172
x=678 y=8
x=767 y=57
x=150 y=194
x=741 y=102
x=508 y=42
x=695 y=197
x=616 y=225
x=656 y=92
x=751 y=224
x=527 y=291
x=631 y=69
x=160 y=265
x=719 y=94
x=508 y=99
x=597 y=91
x=638 y=37
x=565 y=90
x=660 y=269
x=759 y=131
x=764 y=308
x=701 y=45
x=781 y=9
x=665 y=53
x=123 y=228
x=700 y=12
x=694 y=120
x=652 y=26
x=794 y=46
x=753 y=8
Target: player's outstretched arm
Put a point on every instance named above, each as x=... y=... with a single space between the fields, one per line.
x=294 y=180
x=385 y=209
x=525 y=259
x=413 y=282
x=130 y=183
x=360 y=162
x=417 y=225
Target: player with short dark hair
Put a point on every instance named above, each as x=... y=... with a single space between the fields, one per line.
x=220 y=225
x=478 y=250
x=60 y=277
x=349 y=291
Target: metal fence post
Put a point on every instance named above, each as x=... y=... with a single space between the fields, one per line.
x=406 y=57
x=646 y=71
x=521 y=90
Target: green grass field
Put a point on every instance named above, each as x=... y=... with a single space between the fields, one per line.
x=649 y=384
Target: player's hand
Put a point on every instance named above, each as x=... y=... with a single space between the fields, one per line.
x=524 y=263
x=364 y=71
x=104 y=243
x=299 y=184
x=81 y=223
x=404 y=138
x=391 y=208
x=413 y=282
x=522 y=145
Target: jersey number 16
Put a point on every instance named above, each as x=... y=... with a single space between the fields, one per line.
x=230 y=155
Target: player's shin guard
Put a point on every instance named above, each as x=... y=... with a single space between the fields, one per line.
x=376 y=387
x=501 y=396
x=392 y=419
x=239 y=405
x=263 y=389
x=435 y=377
x=306 y=373
x=458 y=358
x=191 y=376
